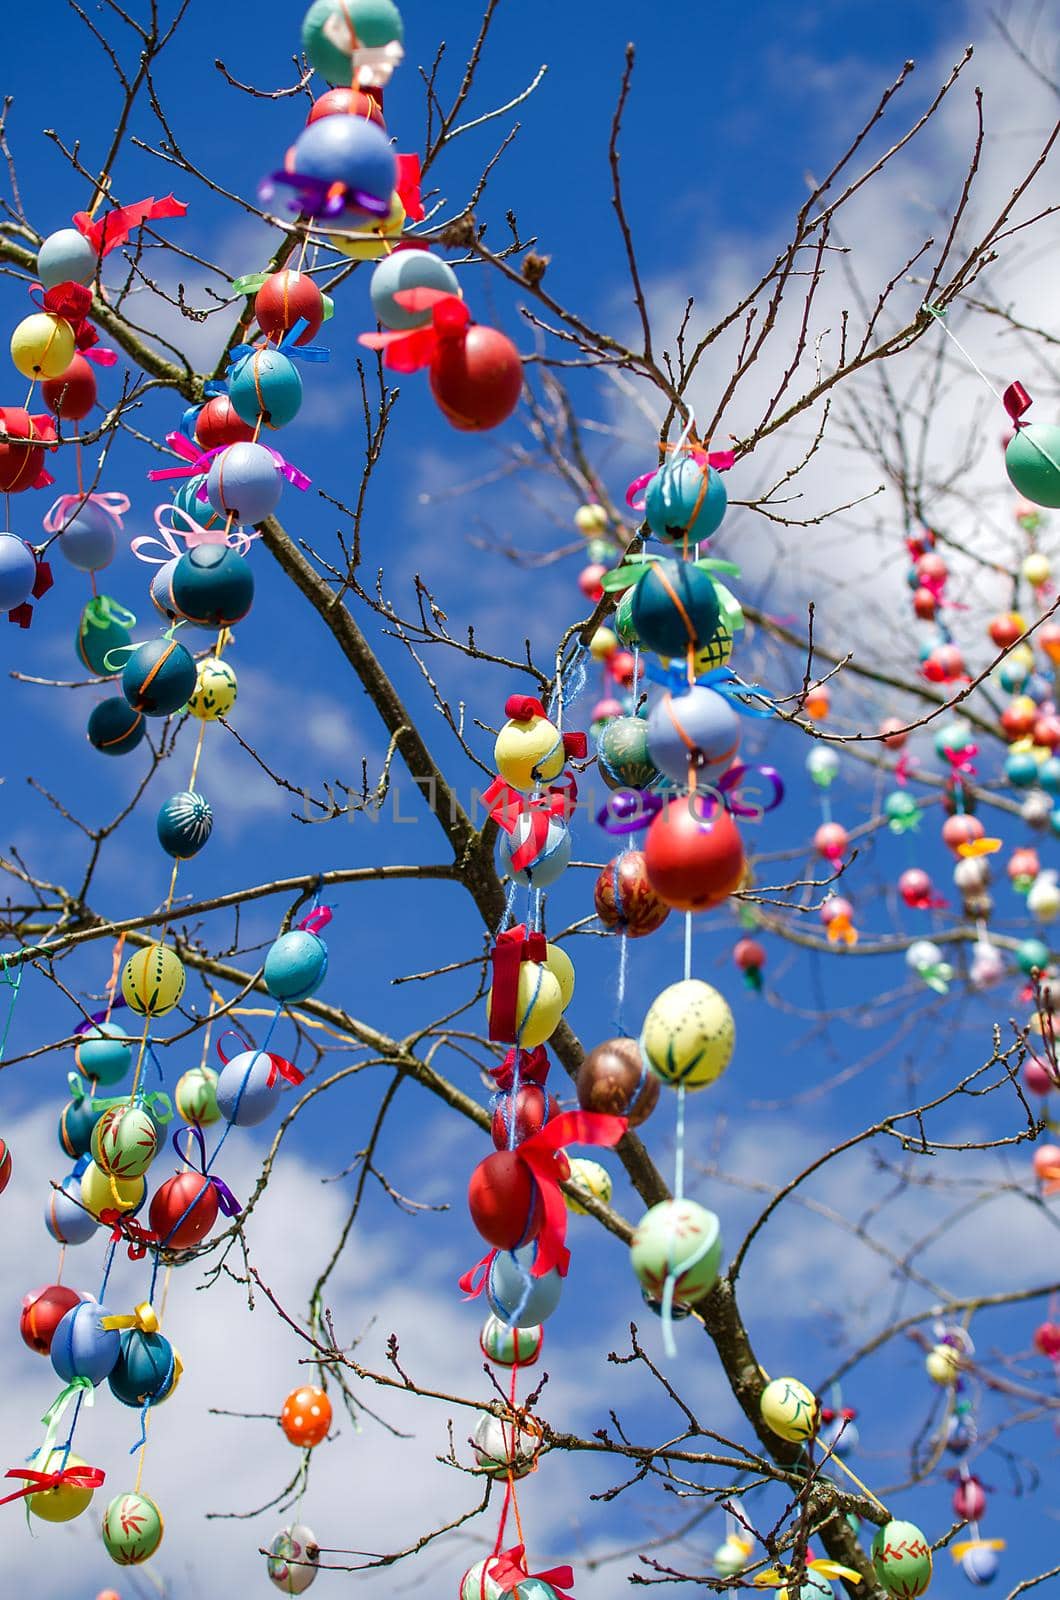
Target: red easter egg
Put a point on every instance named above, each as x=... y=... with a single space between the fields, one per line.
x=914 y=886
x=505 y=1201
x=1046 y=730
x=590 y=580
x=1047 y=1340
x=1048 y=639
x=624 y=898
x=476 y=378
x=286 y=298
x=5 y=1165
x=20 y=464
x=961 y=829
x=606 y=711
x=533 y=1108
x=218 y=423
x=694 y=860
x=924 y=604
x=830 y=840
x=969 y=1500
x=73 y=394
x=1018 y=719
x=187 y=1192
x=949 y=660
x=931 y=568
x=42 y=1312
x=1037 y=1076
x=1023 y=864
x=749 y=955
x=622 y=666
x=1005 y=629
x=306 y=1416
x=835 y=906
x=346 y=102
x=893 y=736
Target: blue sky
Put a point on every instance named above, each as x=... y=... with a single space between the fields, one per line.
x=727 y=117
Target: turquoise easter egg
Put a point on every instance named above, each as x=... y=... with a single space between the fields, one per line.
x=1032 y=461
x=186 y=498
x=158 y=677
x=408 y=269
x=296 y=965
x=623 y=756
x=212 y=586
x=104 y=1052
x=331 y=28
x=1021 y=769
x=77 y=1120
x=115 y=727
x=184 y=824
x=685 y=498
x=674 y=606
x=104 y=626
x=146 y=1368
x=266 y=384
x=1049 y=775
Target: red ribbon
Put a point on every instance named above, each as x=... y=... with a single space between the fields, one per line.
x=408 y=187
x=408 y=352
x=1016 y=401
x=126 y=1227
x=79 y=1477
x=113 y=229
x=961 y=762
x=543 y=1153
x=474 y=1280
x=512 y=948
x=533 y=1068
x=903 y=769
x=507 y=807
x=279 y=1066
x=509 y=1569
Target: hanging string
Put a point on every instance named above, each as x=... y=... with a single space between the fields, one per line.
x=13 y=981
x=940 y=318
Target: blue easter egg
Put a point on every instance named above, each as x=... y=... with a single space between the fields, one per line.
x=408 y=269
x=184 y=824
x=89 y=539
x=66 y=257
x=679 y=502
x=18 y=571
x=266 y=384
x=212 y=585
x=328 y=26
x=979 y=1565
x=82 y=1347
x=145 y=1368
x=1021 y=769
x=76 y=1121
x=186 y=499
x=104 y=1052
x=65 y=1219
x=672 y=598
x=535 y=1589
x=158 y=677
x=244 y=1094
x=114 y=727
x=104 y=626
x=245 y=482
x=1012 y=675
x=514 y=1296
x=552 y=859
x=296 y=965
x=350 y=150
x=698 y=728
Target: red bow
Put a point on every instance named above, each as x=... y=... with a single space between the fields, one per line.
x=507 y=807
x=408 y=187
x=23 y=615
x=511 y=949
x=533 y=1068
x=927 y=900
x=961 y=760
x=279 y=1067
x=78 y=1477
x=522 y=707
x=543 y=1153
x=509 y=1569
x=125 y=1227
x=1016 y=401
x=409 y=351
x=113 y=229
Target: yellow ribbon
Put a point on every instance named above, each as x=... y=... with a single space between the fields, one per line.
x=959 y=1551
x=774 y=1579
x=842 y=929
x=978 y=847
x=143 y=1318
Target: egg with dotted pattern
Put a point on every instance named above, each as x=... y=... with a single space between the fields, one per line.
x=306 y=1416
x=152 y=981
x=689 y=1034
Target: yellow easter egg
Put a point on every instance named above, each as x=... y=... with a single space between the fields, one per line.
x=561 y=967
x=102 y=1192
x=67 y=1500
x=590 y=520
x=603 y=644
x=42 y=346
x=689 y=1034
x=943 y=1364
x=215 y=690
x=374 y=238
x=529 y=751
x=1036 y=569
x=538 y=1005
x=1022 y=655
x=592 y=1177
x=152 y=980
x=789 y=1409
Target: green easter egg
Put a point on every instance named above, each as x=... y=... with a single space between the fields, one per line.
x=901 y=1560
x=132 y=1529
x=196 y=1096
x=679 y=1237
x=1032 y=461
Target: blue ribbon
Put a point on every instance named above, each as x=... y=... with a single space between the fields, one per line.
x=722 y=680
x=210 y=388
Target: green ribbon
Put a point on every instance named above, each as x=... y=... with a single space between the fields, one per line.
x=249 y=283
x=636 y=565
x=157 y=1104
x=905 y=824
x=54 y=1414
x=939 y=976
x=101 y=611
x=329 y=307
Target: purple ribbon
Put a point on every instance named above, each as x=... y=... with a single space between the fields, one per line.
x=225 y=1198
x=630 y=810
x=317 y=197
x=99 y=1016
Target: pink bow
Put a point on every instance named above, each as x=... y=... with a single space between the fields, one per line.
x=195 y=460
x=174 y=541
x=113 y=503
x=961 y=762
x=509 y=1569
x=720 y=460
x=903 y=769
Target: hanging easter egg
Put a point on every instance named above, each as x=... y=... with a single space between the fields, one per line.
x=1046 y=1340
x=622 y=754
x=510 y=1347
x=104 y=626
x=697 y=731
x=732 y=1555
x=89 y=538
x=675 y=606
x=694 y=855
x=104 y=1052
x=81 y=1346
x=212 y=586
x=115 y=727
x=293 y=1559
x=529 y=1110
x=551 y=859
x=603 y=644
x=614 y=1079
x=514 y=1297
x=42 y=1312
x=5 y=1165
x=1018 y=718
x=501 y=1447
x=152 y=980
x=477 y=378
x=1021 y=769
x=408 y=269
x=559 y=963
x=195 y=1096
x=124 y=1142
x=822 y=764
x=979 y=1562
x=1037 y=1076
x=248 y=1089
x=215 y=690
x=333 y=30
x=146 y=1370
x=476 y=1584
x=681 y=1239
x=1037 y=809
x=353 y=152
x=287 y=297
x=593 y=1178
x=624 y=897
x=790 y=1410
x=969 y=1500
x=830 y=840
x=101 y=1191
x=505 y=1201
x=42 y=346
x=132 y=1529
x=265 y=385
x=961 y=829
x=184 y=824
x=529 y=751
x=1032 y=461
x=187 y=498
x=18 y=571
x=65 y=1217
x=66 y=256
x=685 y=499
x=21 y=463
x=73 y=393
x=1032 y=954
x=183 y=1210
x=943 y=1364
x=689 y=1034
x=244 y=482
x=218 y=423
x=77 y=1120
x=296 y=965
x=67 y=1499
x=538 y=1004
x=306 y=1416
x=901 y=1559
x=373 y=237
x=158 y=677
